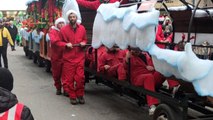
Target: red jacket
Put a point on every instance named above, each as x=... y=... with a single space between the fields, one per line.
x=138 y=66
x=160 y=37
x=57 y=52
x=111 y=59
x=68 y=35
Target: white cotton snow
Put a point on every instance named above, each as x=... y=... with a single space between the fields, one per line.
x=138 y=30
x=141 y=20
x=112 y=11
x=98 y=30
x=191 y=67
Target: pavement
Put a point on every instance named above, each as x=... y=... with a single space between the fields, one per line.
x=34 y=87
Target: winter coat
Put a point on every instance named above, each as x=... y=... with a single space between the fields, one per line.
x=8 y=100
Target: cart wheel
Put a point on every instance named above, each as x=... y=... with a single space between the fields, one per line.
x=165 y=112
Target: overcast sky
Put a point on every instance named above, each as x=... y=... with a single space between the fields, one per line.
x=13 y=5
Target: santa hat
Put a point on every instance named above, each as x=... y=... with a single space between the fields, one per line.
x=161 y=18
x=60 y=20
x=6 y=79
x=71 y=11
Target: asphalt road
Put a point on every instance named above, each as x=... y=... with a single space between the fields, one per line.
x=34 y=87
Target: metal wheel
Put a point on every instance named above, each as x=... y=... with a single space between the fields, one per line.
x=166 y=112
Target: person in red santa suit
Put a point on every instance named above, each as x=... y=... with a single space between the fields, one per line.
x=94 y=4
x=57 y=53
x=112 y=63
x=143 y=74
x=160 y=35
x=90 y=56
x=73 y=41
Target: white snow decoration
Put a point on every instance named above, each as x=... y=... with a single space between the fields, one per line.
x=141 y=20
x=167 y=69
x=204 y=86
x=121 y=38
x=170 y=56
x=111 y=11
x=145 y=38
x=177 y=8
x=191 y=67
x=198 y=14
x=98 y=30
x=71 y=5
x=137 y=30
x=203 y=13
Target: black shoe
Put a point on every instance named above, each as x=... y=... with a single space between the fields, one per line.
x=73 y=101
x=66 y=94
x=58 y=92
x=81 y=100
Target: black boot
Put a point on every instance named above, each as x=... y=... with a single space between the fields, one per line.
x=66 y=94
x=73 y=101
x=58 y=92
x=81 y=100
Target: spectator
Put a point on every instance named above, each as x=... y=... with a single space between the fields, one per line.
x=4 y=38
x=13 y=32
x=9 y=105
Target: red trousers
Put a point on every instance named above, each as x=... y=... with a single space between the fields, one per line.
x=148 y=82
x=56 y=72
x=172 y=83
x=73 y=79
x=117 y=71
x=159 y=79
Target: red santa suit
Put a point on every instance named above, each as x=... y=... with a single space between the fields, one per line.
x=116 y=62
x=56 y=56
x=142 y=77
x=73 y=60
x=90 y=55
x=160 y=37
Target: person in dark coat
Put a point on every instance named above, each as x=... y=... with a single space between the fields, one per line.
x=13 y=32
x=10 y=108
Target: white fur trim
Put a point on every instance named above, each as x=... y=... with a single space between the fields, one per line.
x=71 y=11
x=59 y=20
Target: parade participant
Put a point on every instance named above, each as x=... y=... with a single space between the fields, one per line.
x=13 y=32
x=90 y=56
x=73 y=40
x=143 y=75
x=112 y=63
x=4 y=39
x=57 y=53
x=160 y=35
x=10 y=108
